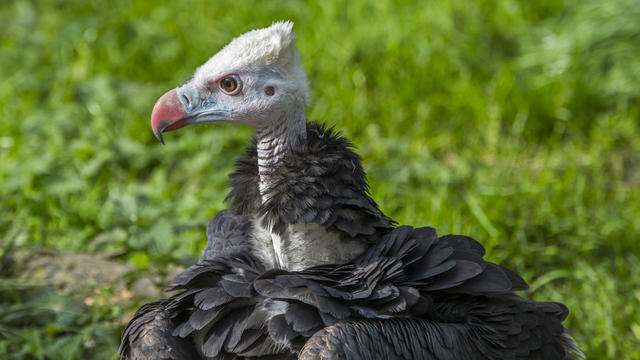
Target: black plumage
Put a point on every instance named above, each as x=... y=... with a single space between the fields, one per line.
x=410 y=295
x=149 y=336
x=478 y=327
x=227 y=234
x=320 y=182
x=423 y=291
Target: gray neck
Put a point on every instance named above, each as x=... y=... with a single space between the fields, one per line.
x=275 y=141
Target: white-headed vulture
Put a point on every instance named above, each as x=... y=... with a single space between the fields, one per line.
x=303 y=264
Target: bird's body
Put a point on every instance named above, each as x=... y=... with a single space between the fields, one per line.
x=305 y=265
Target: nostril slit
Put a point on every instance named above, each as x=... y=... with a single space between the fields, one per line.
x=186 y=100
x=269 y=90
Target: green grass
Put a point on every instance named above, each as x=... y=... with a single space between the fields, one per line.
x=514 y=122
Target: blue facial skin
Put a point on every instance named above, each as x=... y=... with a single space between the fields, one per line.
x=200 y=109
x=203 y=107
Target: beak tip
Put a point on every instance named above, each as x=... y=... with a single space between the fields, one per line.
x=159 y=137
x=157 y=131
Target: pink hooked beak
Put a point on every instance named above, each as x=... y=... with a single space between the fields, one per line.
x=168 y=114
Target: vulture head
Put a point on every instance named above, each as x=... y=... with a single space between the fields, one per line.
x=256 y=80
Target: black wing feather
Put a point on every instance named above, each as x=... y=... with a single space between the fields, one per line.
x=149 y=336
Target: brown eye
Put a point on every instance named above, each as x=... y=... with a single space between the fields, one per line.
x=230 y=84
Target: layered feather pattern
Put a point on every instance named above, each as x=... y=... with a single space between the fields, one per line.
x=320 y=182
x=148 y=336
x=409 y=295
x=239 y=309
x=489 y=327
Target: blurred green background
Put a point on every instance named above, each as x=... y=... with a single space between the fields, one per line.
x=514 y=122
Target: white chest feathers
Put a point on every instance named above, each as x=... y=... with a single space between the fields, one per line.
x=303 y=245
